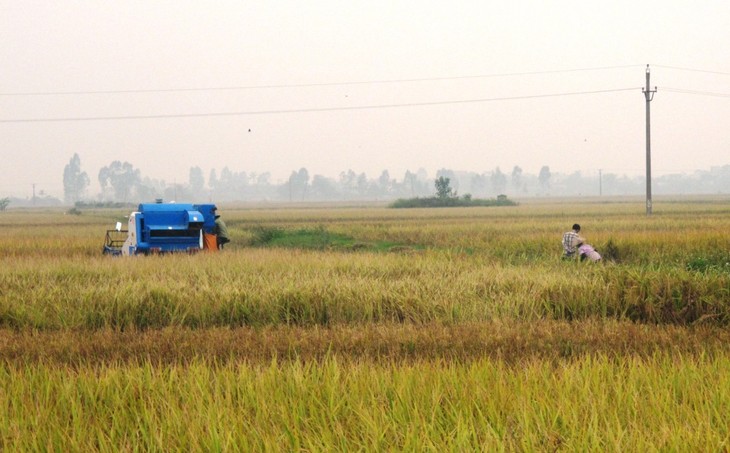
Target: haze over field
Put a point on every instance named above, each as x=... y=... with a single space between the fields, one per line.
x=368 y=86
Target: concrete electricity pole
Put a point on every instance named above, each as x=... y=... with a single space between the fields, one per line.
x=649 y=96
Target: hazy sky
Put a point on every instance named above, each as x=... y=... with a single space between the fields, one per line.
x=298 y=74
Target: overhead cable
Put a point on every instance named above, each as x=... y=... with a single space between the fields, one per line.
x=695 y=92
x=309 y=110
x=306 y=85
x=691 y=69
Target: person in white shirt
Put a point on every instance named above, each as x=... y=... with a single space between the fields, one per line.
x=571 y=239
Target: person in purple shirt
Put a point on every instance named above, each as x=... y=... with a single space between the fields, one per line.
x=586 y=251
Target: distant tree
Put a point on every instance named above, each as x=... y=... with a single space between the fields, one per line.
x=225 y=182
x=362 y=185
x=575 y=183
x=385 y=184
x=443 y=188
x=232 y=185
x=478 y=183
x=252 y=178
x=4 y=202
x=298 y=183
x=122 y=177
x=610 y=183
x=323 y=188
x=544 y=177
x=410 y=180
x=197 y=182
x=213 y=180
x=150 y=189
x=303 y=177
x=263 y=179
x=74 y=180
x=178 y=192
x=498 y=180
x=517 y=177
x=446 y=173
x=348 y=183
x=293 y=183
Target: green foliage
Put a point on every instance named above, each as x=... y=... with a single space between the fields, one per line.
x=711 y=262
x=307 y=238
x=443 y=188
x=261 y=235
x=4 y=202
x=465 y=201
x=317 y=238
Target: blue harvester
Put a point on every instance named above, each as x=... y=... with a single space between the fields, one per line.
x=163 y=228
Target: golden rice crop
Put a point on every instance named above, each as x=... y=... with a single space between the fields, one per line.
x=469 y=334
x=260 y=286
x=593 y=403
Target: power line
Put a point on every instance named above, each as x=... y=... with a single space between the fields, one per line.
x=692 y=69
x=698 y=93
x=307 y=85
x=310 y=110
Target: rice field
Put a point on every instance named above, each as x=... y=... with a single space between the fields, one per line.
x=412 y=329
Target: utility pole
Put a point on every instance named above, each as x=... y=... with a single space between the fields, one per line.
x=33 y=194
x=649 y=96
x=600 y=182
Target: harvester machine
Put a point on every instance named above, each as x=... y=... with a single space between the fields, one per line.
x=164 y=228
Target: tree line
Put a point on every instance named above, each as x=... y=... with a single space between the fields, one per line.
x=122 y=182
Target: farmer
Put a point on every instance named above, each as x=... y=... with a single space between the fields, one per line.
x=221 y=232
x=586 y=251
x=571 y=239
